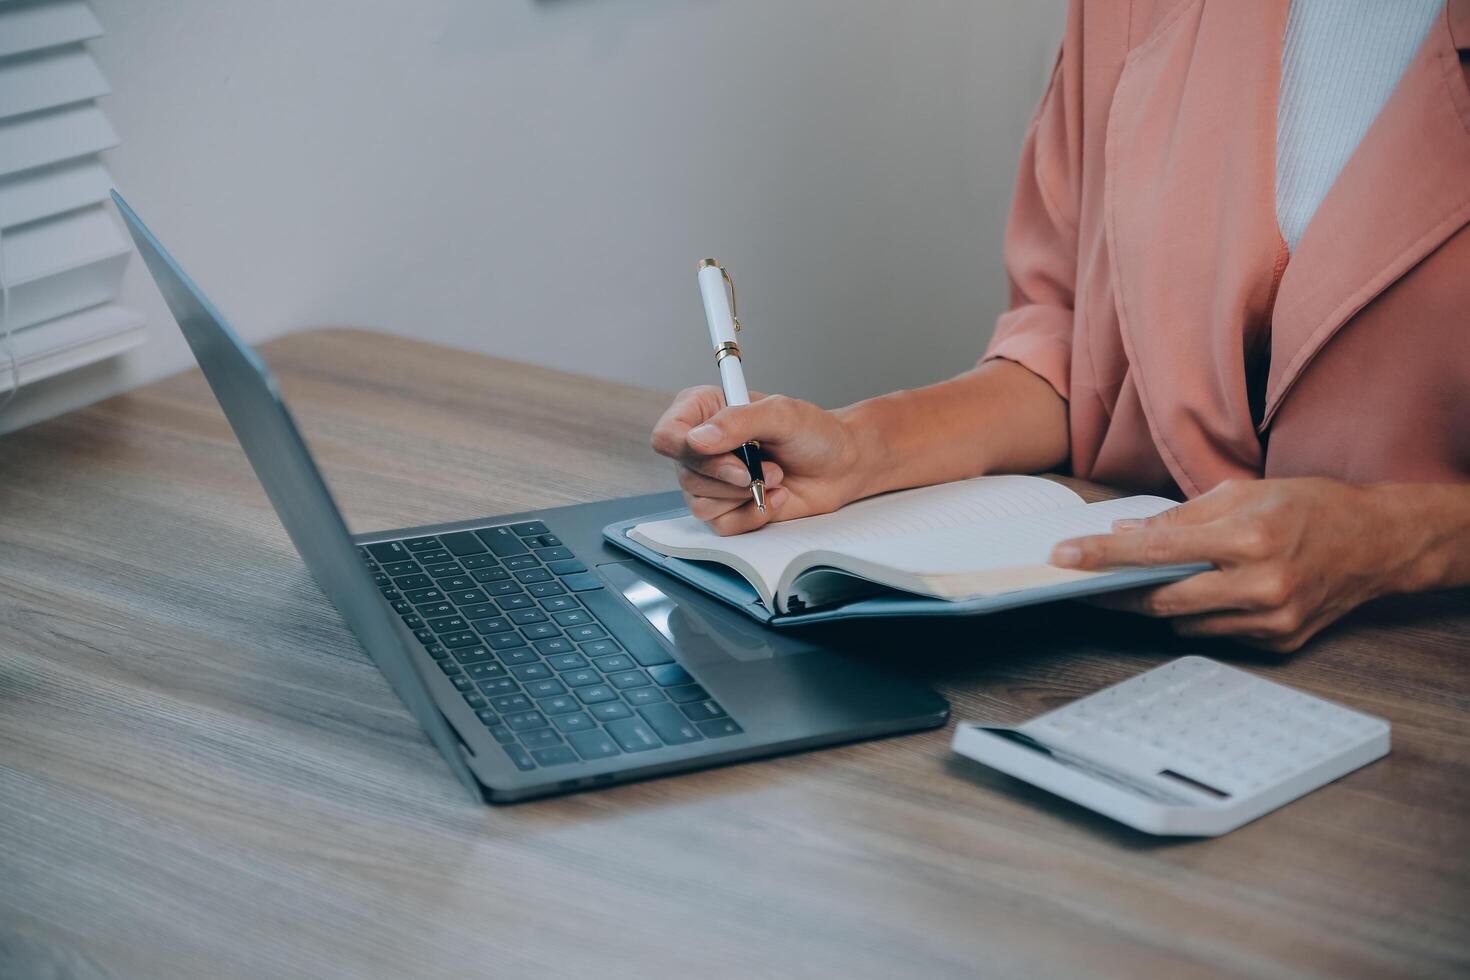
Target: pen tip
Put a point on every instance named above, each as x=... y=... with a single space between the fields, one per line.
x=758 y=491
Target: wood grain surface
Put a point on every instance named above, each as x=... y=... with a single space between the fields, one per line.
x=201 y=775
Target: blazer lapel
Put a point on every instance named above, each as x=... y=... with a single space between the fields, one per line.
x=1402 y=193
x=1189 y=206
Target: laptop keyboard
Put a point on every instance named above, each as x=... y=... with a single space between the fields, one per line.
x=504 y=611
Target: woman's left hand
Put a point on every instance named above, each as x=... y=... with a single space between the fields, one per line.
x=1290 y=556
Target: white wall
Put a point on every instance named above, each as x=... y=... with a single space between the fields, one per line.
x=536 y=178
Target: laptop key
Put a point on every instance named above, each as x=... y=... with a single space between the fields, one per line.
x=609 y=664
x=520 y=757
x=461 y=543
x=479 y=610
x=702 y=710
x=466 y=598
x=518 y=601
x=506 y=588
x=525 y=721
x=415 y=581
x=552 y=646
x=464 y=639
x=389 y=551
x=380 y=579
x=581 y=677
x=540 y=632
x=541 y=738
x=527 y=576
x=434 y=557
x=519 y=655
x=543 y=589
x=670 y=724
x=632 y=735
x=601 y=648
x=427 y=638
x=413 y=622
x=567 y=661
x=593 y=693
x=579 y=722
x=449 y=624
x=499 y=687
x=549 y=541
x=457 y=583
x=531 y=672
x=527 y=528
x=570 y=567
x=589 y=632
x=581 y=582
x=501 y=541
x=447 y=570
x=668 y=675
x=502 y=734
x=490 y=575
x=463 y=683
x=559 y=603
x=390 y=593
x=422 y=544
x=424 y=596
x=561 y=704
x=504 y=641
x=548 y=688
x=610 y=711
x=450 y=667
x=397 y=568
x=557 y=756
x=719 y=728
x=689 y=692
x=573 y=617
x=476 y=562
x=511 y=703
x=476 y=701
x=485 y=671
x=437 y=651
x=554 y=554
x=523 y=617
x=487 y=716
x=522 y=561
x=495 y=624
x=643 y=695
x=593 y=745
x=626 y=679
x=433 y=610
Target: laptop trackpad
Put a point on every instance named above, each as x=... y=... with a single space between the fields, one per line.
x=702 y=629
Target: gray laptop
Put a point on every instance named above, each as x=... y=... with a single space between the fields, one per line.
x=538 y=658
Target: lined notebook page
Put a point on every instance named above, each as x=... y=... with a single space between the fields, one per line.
x=941 y=508
x=1008 y=543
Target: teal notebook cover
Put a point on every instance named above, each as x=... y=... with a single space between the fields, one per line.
x=728 y=586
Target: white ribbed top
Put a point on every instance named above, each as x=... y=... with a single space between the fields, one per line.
x=1340 y=62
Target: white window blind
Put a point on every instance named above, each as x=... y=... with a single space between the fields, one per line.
x=62 y=251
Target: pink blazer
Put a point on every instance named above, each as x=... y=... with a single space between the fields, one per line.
x=1147 y=269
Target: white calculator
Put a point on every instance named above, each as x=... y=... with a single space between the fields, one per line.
x=1191 y=748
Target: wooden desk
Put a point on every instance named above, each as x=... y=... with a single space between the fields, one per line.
x=202 y=775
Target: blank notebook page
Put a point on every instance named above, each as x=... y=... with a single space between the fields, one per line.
x=1005 y=543
x=940 y=508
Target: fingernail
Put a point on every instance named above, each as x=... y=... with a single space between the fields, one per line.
x=1128 y=524
x=1066 y=554
x=707 y=434
x=735 y=475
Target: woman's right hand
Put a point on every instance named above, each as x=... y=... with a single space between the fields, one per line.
x=811 y=457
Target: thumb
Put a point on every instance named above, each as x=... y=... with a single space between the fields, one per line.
x=1201 y=510
x=767 y=419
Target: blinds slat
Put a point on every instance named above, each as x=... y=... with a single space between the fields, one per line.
x=36 y=194
x=29 y=26
x=50 y=137
x=71 y=341
x=47 y=79
x=61 y=264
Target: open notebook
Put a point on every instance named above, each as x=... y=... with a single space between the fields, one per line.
x=965 y=547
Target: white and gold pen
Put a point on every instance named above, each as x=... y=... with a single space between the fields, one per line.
x=724 y=323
